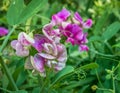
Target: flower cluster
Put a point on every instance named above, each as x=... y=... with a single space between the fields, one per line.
x=50 y=51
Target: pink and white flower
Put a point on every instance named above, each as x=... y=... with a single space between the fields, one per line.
x=22 y=44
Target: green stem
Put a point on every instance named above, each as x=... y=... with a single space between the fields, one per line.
x=8 y=73
x=6 y=39
x=3 y=63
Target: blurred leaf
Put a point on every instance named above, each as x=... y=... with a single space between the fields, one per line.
x=111 y=30
x=60 y=74
x=36 y=90
x=20 y=91
x=21 y=78
x=79 y=83
x=14 y=11
x=88 y=66
x=100 y=23
x=32 y=8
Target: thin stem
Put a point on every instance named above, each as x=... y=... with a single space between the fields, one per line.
x=113 y=80
x=105 y=89
x=5 y=90
x=6 y=39
x=3 y=63
x=8 y=73
x=98 y=78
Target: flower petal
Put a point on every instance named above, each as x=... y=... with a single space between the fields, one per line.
x=88 y=23
x=13 y=43
x=78 y=17
x=3 y=31
x=83 y=48
x=38 y=63
x=46 y=56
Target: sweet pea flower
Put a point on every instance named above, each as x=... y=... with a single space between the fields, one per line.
x=86 y=24
x=3 y=31
x=75 y=35
x=49 y=54
x=21 y=45
x=60 y=16
x=52 y=34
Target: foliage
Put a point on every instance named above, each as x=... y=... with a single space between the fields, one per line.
x=95 y=71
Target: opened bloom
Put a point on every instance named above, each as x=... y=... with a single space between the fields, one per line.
x=49 y=54
x=3 y=31
x=22 y=44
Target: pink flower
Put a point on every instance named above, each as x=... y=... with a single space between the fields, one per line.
x=75 y=35
x=22 y=44
x=86 y=24
x=3 y=31
x=49 y=54
x=60 y=17
x=52 y=34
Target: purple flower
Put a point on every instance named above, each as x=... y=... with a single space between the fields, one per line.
x=52 y=34
x=22 y=44
x=75 y=35
x=3 y=31
x=86 y=24
x=60 y=17
x=49 y=54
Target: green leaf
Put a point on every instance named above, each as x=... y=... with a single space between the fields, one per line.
x=32 y=8
x=14 y=11
x=88 y=66
x=59 y=75
x=79 y=83
x=100 y=23
x=111 y=31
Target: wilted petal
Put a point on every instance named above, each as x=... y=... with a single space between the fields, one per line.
x=13 y=43
x=88 y=23
x=83 y=48
x=38 y=63
x=28 y=64
x=3 y=31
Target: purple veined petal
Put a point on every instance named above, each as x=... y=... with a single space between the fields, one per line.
x=22 y=39
x=62 y=53
x=38 y=63
x=47 y=31
x=46 y=56
x=50 y=48
x=59 y=66
x=3 y=31
x=39 y=42
x=13 y=43
x=70 y=40
x=83 y=48
x=78 y=17
x=87 y=24
x=21 y=50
